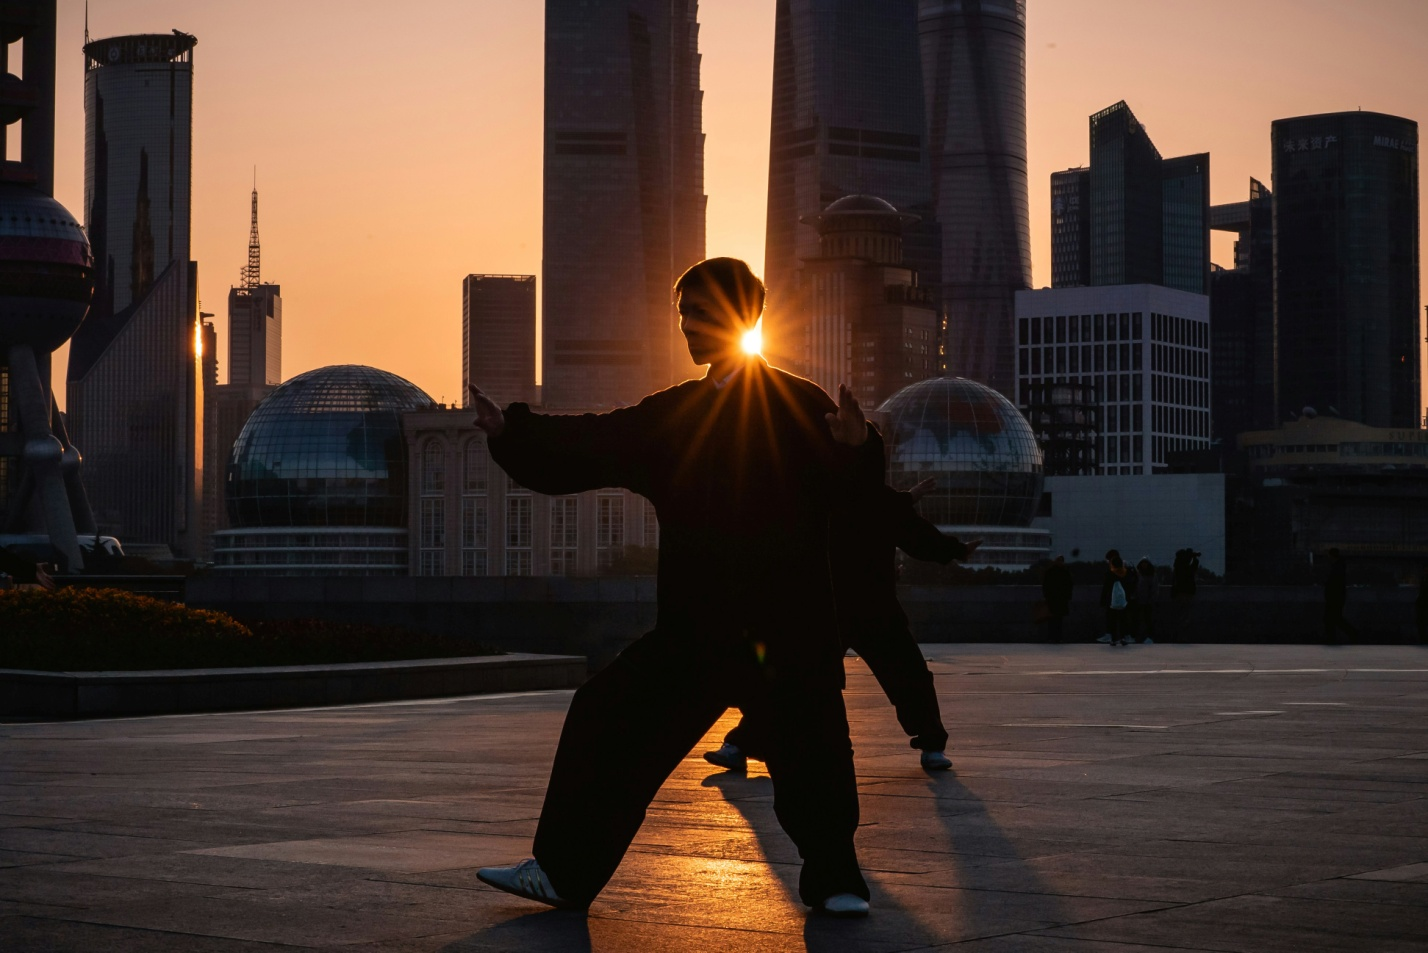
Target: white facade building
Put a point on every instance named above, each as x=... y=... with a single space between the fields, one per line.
x=1146 y=351
x=1139 y=515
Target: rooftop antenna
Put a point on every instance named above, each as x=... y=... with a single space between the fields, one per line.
x=86 y=22
x=251 y=272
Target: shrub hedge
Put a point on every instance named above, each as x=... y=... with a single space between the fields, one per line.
x=75 y=629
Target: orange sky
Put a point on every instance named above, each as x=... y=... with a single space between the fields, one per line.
x=398 y=147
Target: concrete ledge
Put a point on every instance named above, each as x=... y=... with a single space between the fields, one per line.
x=97 y=694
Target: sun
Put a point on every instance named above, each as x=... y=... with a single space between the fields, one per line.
x=753 y=340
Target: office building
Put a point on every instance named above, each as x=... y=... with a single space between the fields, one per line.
x=1346 y=266
x=1071 y=228
x=498 y=337
x=1242 y=335
x=623 y=195
x=1145 y=349
x=1148 y=218
x=1185 y=223
x=868 y=322
x=848 y=118
x=135 y=395
x=974 y=79
x=1322 y=481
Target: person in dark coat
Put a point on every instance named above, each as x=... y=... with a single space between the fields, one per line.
x=1183 y=573
x=1117 y=587
x=1336 y=595
x=1056 y=588
x=1147 y=592
x=873 y=624
x=744 y=467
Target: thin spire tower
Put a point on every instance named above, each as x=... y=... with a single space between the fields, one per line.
x=251 y=272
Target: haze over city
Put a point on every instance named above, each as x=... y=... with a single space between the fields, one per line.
x=396 y=154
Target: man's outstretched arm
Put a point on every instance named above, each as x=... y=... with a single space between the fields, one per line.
x=557 y=454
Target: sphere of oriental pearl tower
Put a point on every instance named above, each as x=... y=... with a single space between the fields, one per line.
x=46 y=282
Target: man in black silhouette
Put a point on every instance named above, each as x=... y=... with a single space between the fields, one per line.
x=744 y=468
x=873 y=624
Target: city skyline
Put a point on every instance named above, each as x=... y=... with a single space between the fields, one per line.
x=459 y=119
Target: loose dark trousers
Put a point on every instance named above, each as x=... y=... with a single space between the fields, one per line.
x=655 y=702
x=897 y=663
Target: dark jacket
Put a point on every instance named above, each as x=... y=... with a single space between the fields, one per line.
x=743 y=479
x=1056 y=587
x=1127 y=580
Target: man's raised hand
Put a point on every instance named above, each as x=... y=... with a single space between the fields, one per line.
x=848 y=425
x=488 y=416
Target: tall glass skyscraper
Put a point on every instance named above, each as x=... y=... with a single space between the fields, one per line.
x=624 y=195
x=974 y=69
x=1143 y=219
x=135 y=401
x=1346 y=259
x=848 y=119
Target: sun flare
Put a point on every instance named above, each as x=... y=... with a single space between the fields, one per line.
x=753 y=340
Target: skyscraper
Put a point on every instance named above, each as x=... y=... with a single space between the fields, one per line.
x=255 y=367
x=974 y=68
x=870 y=324
x=255 y=322
x=498 y=331
x=1346 y=259
x=1242 y=335
x=1142 y=219
x=624 y=195
x=135 y=401
x=1071 y=228
x=1127 y=232
x=848 y=118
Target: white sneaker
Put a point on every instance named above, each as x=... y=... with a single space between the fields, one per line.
x=525 y=879
x=936 y=761
x=729 y=757
x=1105 y=638
x=845 y=905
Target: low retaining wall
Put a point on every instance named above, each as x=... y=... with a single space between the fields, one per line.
x=94 y=694
x=598 y=617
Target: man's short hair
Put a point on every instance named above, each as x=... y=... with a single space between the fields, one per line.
x=728 y=282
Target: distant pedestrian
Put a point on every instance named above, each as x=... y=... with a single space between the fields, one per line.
x=1182 y=590
x=1147 y=588
x=1116 y=589
x=1056 y=587
x=1336 y=595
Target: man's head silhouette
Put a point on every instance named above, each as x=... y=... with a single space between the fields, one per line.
x=719 y=300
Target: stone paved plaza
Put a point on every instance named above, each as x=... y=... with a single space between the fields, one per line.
x=1169 y=797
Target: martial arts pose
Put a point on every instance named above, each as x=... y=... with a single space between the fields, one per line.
x=873 y=624
x=744 y=468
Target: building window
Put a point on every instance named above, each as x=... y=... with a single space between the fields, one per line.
x=478 y=463
x=433 y=524
x=564 y=535
x=433 y=468
x=610 y=528
x=475 y=535
x=518 y=536
x=433 y=563
x=651 y=538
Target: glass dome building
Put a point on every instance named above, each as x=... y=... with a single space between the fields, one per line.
x=984 y=457
x=317 y=482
